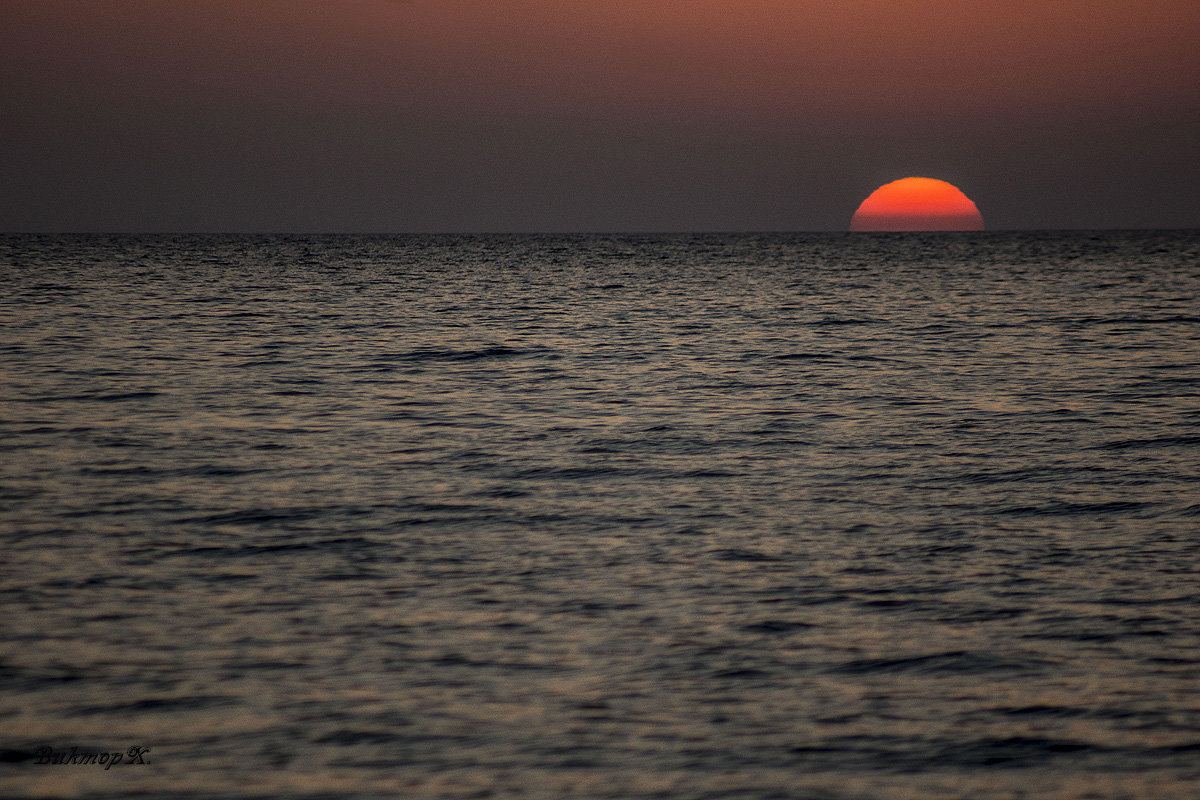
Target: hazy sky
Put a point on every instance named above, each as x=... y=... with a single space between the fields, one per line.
x=552 y=115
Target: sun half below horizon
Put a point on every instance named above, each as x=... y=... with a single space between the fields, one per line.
x=917 y=204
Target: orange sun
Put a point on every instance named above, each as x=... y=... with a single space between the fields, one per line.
x=917 y=204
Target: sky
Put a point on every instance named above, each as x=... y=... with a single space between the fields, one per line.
x=574 y=115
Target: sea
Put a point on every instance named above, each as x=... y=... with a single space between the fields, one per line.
x=697 y=517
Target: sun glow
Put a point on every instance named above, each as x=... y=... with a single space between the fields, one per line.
x=917 y=204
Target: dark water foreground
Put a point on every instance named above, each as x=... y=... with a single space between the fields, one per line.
x=899 y=517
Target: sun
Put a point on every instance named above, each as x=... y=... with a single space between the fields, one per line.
x=917 y=204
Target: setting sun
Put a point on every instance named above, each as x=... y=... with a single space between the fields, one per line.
x=917 y=204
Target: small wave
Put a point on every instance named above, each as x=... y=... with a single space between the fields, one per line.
x=1012 y=751
x=258 y=515
x=190 y=702
x=98 y=397
x=356 y=545
x=577 y=473
x=777 y=626
x=744 y=673
x=953 y=661
x=837 y=321
x=738 y=554
x=1076 y=509
x=1154 y=441
x=802 y=357
x=1142 y=319
x=346 y=737
x=449 y=354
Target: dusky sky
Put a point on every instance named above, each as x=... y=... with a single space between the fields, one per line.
x=566 y=115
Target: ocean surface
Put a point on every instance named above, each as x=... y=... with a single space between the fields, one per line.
x=849 y=517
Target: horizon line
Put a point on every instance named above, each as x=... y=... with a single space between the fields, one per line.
x=597 y=232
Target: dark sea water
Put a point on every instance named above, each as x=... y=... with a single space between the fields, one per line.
x=902 y=517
